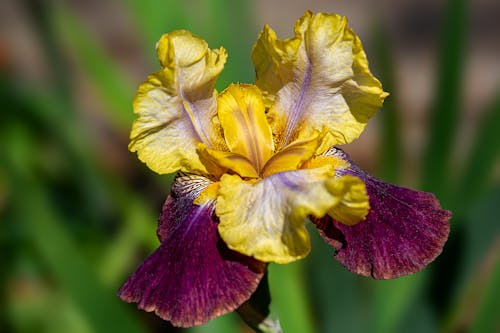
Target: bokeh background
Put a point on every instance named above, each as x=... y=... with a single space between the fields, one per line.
x=78 y=211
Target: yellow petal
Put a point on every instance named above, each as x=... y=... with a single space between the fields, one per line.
x=196 y=67
x=292 y=156
x=274 y=61
x=176 y=104
x=321 y=161
x=226 y=160
x=353 y=201
x=246 y=131
x=353 y=204
x=265 y=219
x=323 y=80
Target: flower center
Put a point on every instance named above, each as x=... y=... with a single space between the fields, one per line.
x=249 y=138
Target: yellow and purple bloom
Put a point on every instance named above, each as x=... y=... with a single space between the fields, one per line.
x=256 y=161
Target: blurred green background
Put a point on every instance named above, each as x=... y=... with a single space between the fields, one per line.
x=78 y=211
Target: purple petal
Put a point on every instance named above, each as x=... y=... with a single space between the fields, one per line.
x=192 y=277
x=404 y=231
x=185 y=188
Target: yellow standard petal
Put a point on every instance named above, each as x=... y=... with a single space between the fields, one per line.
x=323 y=80
x=353 y=204
x=274 y=61
x=175 y=106
x=241 y=113
x=265 y=219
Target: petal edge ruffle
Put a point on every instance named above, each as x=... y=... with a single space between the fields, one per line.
x=322 y=80
x=175 y=106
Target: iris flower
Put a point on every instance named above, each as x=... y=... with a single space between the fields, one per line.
x=256 y=161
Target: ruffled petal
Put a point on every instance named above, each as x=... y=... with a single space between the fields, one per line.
x=274 y=62
x=175 y=106
x=403 y=232
x=265 y=219
x=246 y=131
x=322 y=80
x=192 y=277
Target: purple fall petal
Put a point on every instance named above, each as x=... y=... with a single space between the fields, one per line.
x=178 y=205
x=192 y=277
x=404 y=231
